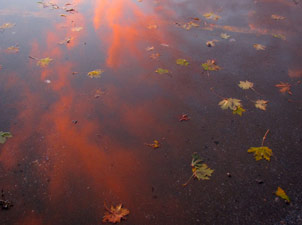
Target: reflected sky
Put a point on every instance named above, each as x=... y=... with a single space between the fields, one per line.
x=71 y=151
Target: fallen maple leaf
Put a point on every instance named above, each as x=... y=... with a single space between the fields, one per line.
x=76 y=29
x=154 y=145
x=261 y=104
x=152 y=26
x=280 y=36
x=211 y=15
x=115 y=214
x=13 y=49
x=211 y=43
x=200 y=170
x=246 y=85
x=7 y=25
x=95 y=73
x=189 y=25
x=203 y=172
x=44 y=62
x=4 y=136
x=284 y=87
x=225 y=36
x=259 y=47
x=184 y=117
x=281 y=193
x=151 y=48
x=154 y=55
x=262 y=152
x=231 y=103
x=161 y=71
x=182 y=62
x=277 y=17
x=239 y=110
x=210 y=65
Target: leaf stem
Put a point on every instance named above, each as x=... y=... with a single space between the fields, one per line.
x=264 y=137
x=185 y=184
x=212 y=89
x=256 y=91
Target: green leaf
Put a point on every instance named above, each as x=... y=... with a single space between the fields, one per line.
x=182 y=62
x=262 y=152
x=196 y=160
x=4 y=136
x=239 y=110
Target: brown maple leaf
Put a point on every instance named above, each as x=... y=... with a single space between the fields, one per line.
x=284 y=87
x=115 y=214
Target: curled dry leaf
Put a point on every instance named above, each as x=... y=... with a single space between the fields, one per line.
x=95 y=73
x=182 y=62
x=210 y=65
x=44 y=62
x=230 y=103
x=154 y=145
x=115 y=214
x=284 y=87
x=281 y=193
x=262 y=152
x=246 y=85
x=259 y=47
x=211 y=16
x=261 y=104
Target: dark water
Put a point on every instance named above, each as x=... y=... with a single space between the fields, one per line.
x=73 y=151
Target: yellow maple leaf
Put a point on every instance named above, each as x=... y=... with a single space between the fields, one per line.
x=44 y=62
x=154 y=55
x=246 y=85
x=115 y=214
x=261 y=104
x=202 y=172
x=239 y=110
x=231 y=103
x=152 y=26
x=225 y=36
x=182 y=62
x=7 y=25
x=95 y=73
x=262 y=152
x=189 y=25
x=281 y=193
x=259 y=47
x=210 y=65
x=211 y=16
